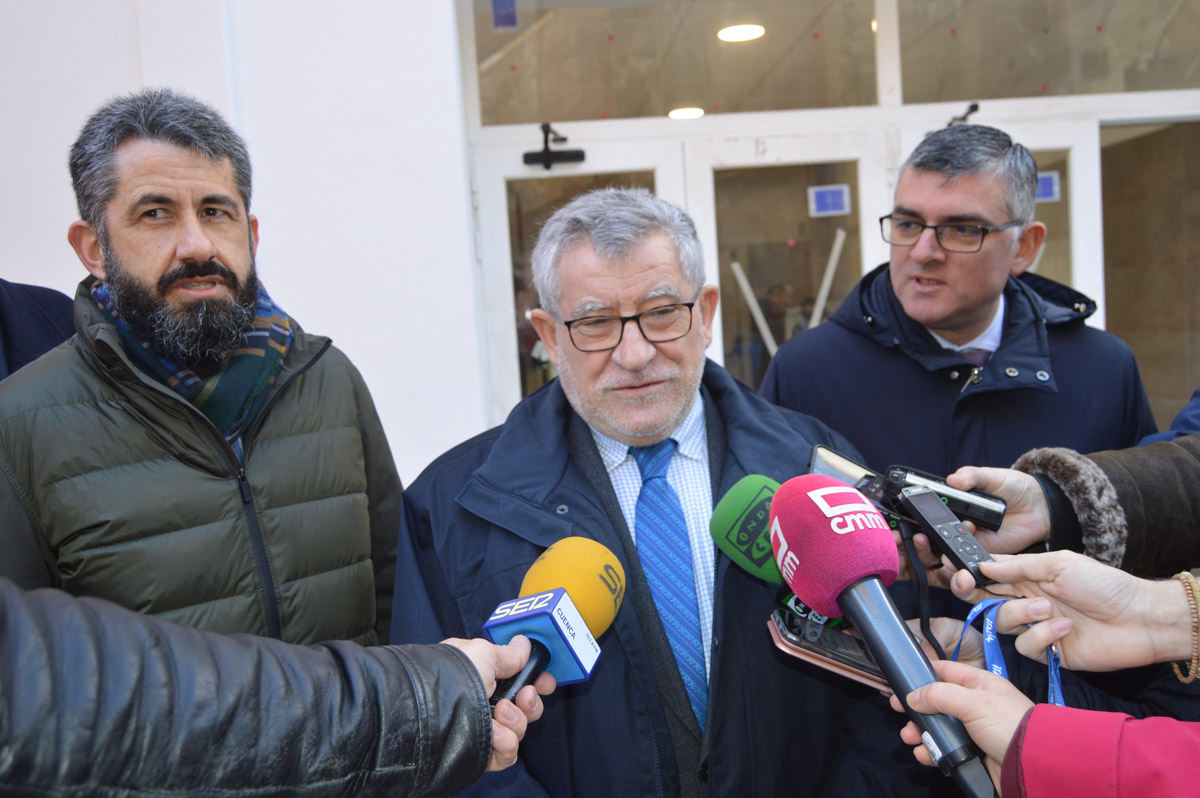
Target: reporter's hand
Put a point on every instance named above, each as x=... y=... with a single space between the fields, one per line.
x=1103 y=619
x=1027 y=519
x=988 y=705
x=948 y=631
x=509 y=720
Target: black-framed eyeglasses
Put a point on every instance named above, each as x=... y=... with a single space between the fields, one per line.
x=658 y=325
x=952 y=237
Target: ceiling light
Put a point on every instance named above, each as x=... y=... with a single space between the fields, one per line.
x=740 y=33
x=874 y=26
x=686 y=113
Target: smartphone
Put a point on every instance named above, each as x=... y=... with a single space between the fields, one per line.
x=824 y=460
x=834 y=650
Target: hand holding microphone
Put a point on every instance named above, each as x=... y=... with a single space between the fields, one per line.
x=569 y=597
x=835 y=551
x=988 y=705
x=509 y=722
x=1102 y=618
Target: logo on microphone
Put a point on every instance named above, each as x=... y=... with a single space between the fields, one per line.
x=848 y=508
x=614 y=580
x=783 y=553
x=746 y=535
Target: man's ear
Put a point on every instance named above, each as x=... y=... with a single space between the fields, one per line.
x=1028 y=247
x=253 y=235
x=547 y=330
x=709 y=295
x=86 y=242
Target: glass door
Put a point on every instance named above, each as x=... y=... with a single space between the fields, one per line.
x=787 y=222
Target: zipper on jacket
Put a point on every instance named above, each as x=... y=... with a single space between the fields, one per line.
x=975 y=376
x=270 y=599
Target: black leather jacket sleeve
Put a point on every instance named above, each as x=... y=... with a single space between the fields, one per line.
x=96 y=700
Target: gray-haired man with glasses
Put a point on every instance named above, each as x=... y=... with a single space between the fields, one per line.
x=633 y=445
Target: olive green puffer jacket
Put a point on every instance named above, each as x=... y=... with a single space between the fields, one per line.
x=125 y=491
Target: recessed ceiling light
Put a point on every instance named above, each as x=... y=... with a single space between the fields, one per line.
x=740 y=33
x=686 y=113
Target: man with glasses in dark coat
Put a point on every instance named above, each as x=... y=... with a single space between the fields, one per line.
x=954 y=353
x=705 y=706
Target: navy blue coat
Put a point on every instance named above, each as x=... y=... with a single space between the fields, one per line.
x=33 y=320
x=477 y=518
x=1186 y=423
x=880 y=379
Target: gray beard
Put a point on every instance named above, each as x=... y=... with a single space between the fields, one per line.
x=198 y=334
x=590 y=407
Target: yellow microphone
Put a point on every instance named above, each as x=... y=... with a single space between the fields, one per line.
x=569 y=597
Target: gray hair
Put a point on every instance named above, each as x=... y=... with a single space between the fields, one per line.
x=154 y=115
x=614 y=221
x=961 y=150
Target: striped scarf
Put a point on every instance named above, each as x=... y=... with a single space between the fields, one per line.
x=236 y=391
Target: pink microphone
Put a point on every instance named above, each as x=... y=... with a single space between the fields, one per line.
x=826 y=535
x=837 y=554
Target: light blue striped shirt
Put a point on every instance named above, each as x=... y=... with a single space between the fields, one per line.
x=689 y=476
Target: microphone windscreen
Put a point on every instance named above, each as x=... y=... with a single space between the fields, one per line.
x=740 y=526
x=589 y=572
x=826 y=536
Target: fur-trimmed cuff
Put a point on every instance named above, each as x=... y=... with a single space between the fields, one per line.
x=1091 y=494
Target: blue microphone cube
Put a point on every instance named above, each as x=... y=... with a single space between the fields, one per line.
x=552 y=619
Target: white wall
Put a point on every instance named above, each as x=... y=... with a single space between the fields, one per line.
x=353 y=116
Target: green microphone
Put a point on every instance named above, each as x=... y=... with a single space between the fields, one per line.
x=740 y=526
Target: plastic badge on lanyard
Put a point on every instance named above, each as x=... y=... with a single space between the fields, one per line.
x=994 y=657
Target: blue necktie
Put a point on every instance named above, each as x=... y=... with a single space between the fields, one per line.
x=662 y=545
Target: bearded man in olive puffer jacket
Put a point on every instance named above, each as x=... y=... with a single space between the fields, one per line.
x=191 y=452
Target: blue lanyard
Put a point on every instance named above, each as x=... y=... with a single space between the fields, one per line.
x=994 y=658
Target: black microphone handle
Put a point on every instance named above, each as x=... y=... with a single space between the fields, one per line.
x=869 y=607
x=539 y=659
